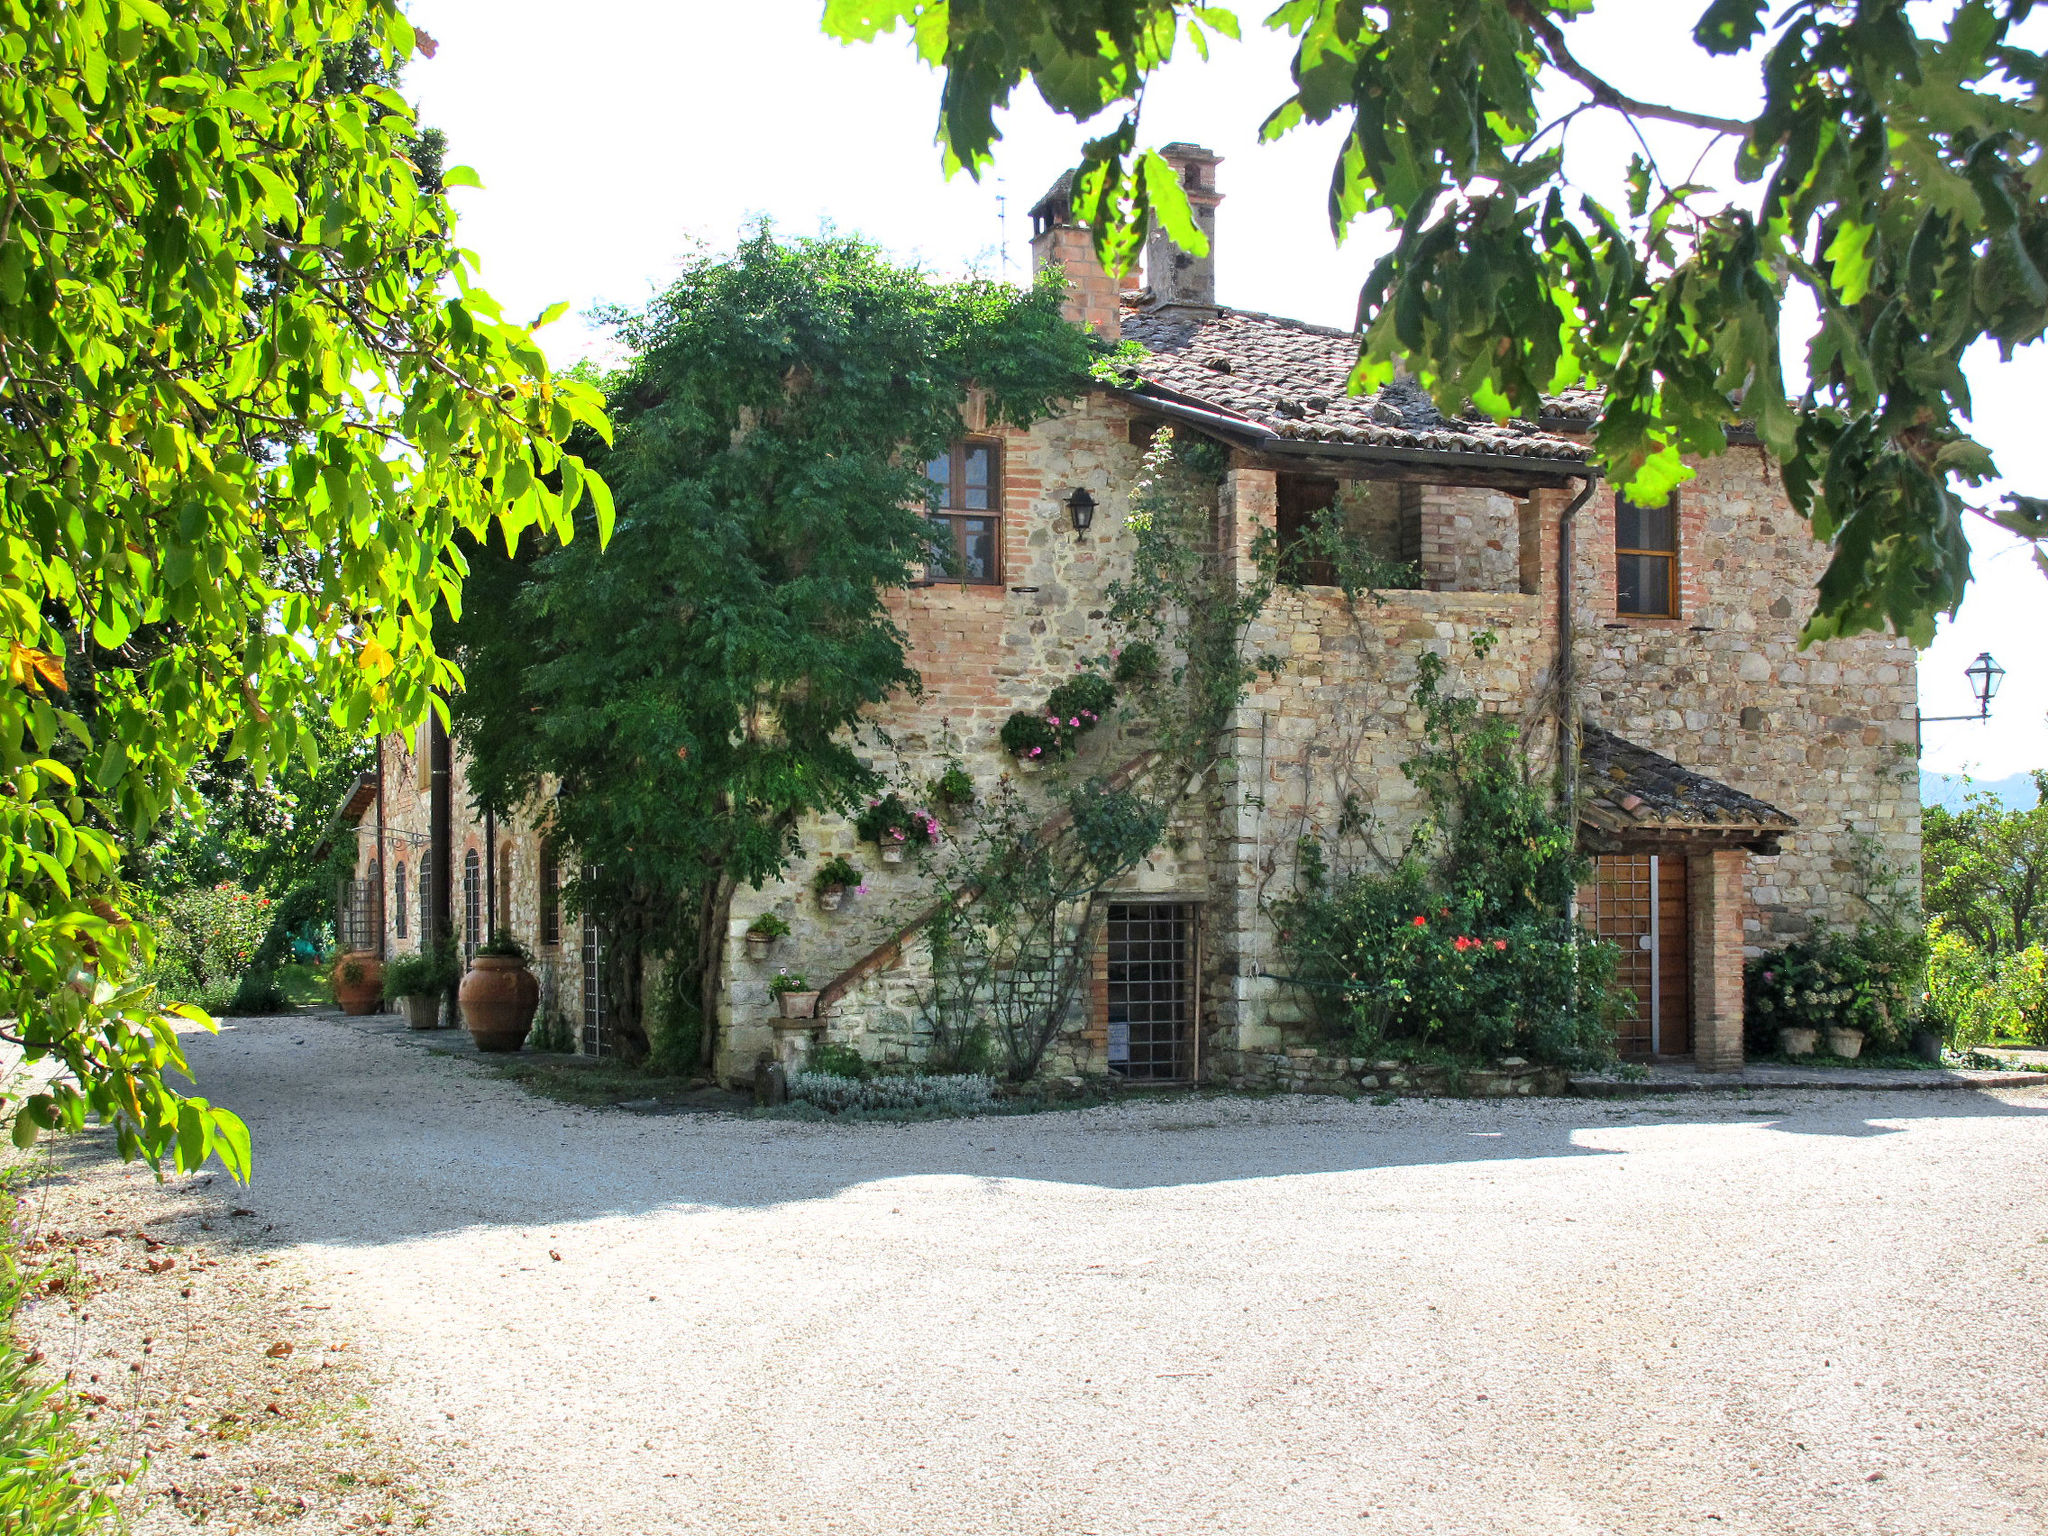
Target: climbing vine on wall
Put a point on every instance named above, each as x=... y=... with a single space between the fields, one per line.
x=1011 y=937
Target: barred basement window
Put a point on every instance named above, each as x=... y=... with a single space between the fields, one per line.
x=1646 y=559
x=966 y=513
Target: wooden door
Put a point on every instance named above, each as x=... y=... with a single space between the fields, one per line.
x=1638 y=900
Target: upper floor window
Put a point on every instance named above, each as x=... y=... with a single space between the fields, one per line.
x=966 y=512
x=398 y=898
x=1646 y=559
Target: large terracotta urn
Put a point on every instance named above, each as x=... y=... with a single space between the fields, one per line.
x=358 y=981
x=498 y=996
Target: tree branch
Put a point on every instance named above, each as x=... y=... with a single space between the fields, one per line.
x=1606 y=95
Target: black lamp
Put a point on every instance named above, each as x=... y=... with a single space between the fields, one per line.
x=1985 y=675
x=1081 y=508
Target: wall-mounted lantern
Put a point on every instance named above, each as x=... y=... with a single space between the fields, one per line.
x=1081 y=508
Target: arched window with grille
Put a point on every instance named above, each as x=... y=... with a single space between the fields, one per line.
x=472 y=902
x=398 y=898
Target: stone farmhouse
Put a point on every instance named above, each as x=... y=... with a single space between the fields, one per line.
x=1730 y=785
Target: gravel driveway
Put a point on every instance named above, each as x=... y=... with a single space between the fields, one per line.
x=1794 y=1312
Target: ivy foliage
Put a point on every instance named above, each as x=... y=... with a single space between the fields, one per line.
x=1466 y=944
x=1893 y=177
x=689 y=696
x=249 y=394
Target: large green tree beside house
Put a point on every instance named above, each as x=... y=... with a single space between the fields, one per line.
x=691 y=693
x=250 y=395
x=1892 y=185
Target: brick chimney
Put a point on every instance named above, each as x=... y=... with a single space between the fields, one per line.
x=1058 y=241
x=1174 y=276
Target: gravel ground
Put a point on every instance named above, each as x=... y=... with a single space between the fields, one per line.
x=1786 y=1312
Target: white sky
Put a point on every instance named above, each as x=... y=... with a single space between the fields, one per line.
x=615 y=136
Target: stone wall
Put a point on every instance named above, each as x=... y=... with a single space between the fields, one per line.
x=1826 y=733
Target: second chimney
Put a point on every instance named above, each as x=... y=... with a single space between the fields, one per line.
x=1058 y=241
x=1174 y=275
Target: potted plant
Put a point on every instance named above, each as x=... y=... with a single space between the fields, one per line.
x=1845 y=1043
x=831 y=881
x=793 y=997
x=1030 y=739
x=499 y=995
x=358 y=981
x=419 y=981
x=894 y=827
x=762 y=933
x=1797 y=1040
x=1078 y=705
x=954 y=789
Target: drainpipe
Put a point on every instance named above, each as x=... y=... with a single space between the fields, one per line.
x=440 y=829
x=383 y=869
x=1567 y=682
x=491 y=873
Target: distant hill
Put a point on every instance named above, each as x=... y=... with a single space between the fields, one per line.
x=1948 y=789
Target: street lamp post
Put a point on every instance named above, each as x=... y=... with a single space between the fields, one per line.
x=1985 y=675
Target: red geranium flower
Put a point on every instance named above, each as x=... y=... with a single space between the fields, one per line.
x=1421 y=921
x=1500 y=943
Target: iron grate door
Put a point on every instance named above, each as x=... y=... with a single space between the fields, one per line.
x=1152 y=991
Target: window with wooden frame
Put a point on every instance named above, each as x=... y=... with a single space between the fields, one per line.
x=398 y=898
x=1646 y=559
x=966 y=513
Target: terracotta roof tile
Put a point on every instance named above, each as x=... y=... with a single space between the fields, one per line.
x=1625 y=788
x=1291 y=379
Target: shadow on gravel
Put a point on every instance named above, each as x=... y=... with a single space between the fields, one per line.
x=359 y=1139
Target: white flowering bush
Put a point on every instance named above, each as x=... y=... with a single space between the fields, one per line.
x=964 y=1093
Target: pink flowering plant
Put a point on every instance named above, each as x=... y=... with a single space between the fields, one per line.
x=1071 y=711
x=892 y=822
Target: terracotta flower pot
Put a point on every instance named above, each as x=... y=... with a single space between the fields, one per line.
x=1029 y=764
x=828 y=901
x=798 y=1005
x=422 y=1009
x=498 y=997
x=1846 y=1043
x=358 y=981
x=758 y=945
x=892 y=855
x=1798 y=1040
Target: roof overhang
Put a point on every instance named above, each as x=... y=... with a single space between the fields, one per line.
x=1633 y=800
x=360 y=797
x=1370 y=460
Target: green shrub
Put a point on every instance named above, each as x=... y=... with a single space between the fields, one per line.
x=961 y=1094
x=1975 y=999
x=676 y=1039
x=834 y=1058
x=206 y=940
x=1868 y=980
x=259 y=993
x=1468 y=946
x=424 y=973
x=1137 y=662
x=1081 y=702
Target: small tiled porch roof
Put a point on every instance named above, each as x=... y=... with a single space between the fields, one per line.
x=1290 y=379
x=1631 y=796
